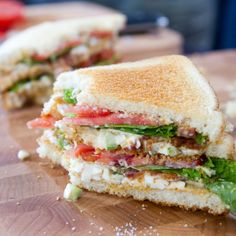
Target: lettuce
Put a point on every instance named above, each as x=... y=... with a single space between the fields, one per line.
x=201 y=139
x=23 y=82
x=165 y=131
x=222 y=183
x=225 y=169
x=69 y=97
x=225 y=190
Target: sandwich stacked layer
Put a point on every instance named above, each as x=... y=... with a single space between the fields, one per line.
x=150 y=129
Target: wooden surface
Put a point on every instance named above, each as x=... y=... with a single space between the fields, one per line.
x=29 y=190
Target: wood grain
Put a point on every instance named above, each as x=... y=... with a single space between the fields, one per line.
x=29 y=189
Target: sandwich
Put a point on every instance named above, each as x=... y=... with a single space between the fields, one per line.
x=149 y=129
x=31 y=60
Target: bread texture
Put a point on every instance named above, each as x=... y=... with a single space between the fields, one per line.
x=189 y=197
x=223 y=148
x=169 y=87
x=46 y=37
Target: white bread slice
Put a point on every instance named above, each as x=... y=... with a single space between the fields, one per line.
x=46 y=37
x=170 y=87
x=189 y=197
x=224 y=148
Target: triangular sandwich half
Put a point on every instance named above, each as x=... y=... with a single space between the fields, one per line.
x=150 y=129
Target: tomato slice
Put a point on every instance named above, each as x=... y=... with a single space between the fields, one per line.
x=61 y=48
x=42 y=122
x=90 y=158
x=101 y=34
x=82 y=149
x=106 y=54
x=85 y=111
x=114 y=118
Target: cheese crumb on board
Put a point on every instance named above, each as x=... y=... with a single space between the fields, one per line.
x=23 y=155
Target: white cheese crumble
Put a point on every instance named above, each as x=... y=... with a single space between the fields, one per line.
x=72 y=192
x=89 y=172
x=23 y=155
x=170 y=150
x=105 y=138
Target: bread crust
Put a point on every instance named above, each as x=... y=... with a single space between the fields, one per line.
x=193 y=200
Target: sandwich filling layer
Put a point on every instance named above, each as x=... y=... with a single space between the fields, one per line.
x=134 y=147
x=94 y=48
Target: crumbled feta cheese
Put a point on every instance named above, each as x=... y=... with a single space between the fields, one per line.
x=72 y=192
x=23 y=155
x=230 y=108
x=176 y=185
x=159 y=184
x=99 y=138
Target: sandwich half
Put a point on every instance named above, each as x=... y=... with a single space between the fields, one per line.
x=31 y=60
x=150 y=129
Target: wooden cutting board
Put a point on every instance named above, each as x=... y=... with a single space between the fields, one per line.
x=31 y=192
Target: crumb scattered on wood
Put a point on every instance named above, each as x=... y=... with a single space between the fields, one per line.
x=23 y=155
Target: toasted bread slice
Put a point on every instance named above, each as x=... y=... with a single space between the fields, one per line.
x=169 y=87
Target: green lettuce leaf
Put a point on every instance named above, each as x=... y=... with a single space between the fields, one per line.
x=23 y=82
x=223 y=182
x=225 y=190
x=225 y=169
x=166 y=131
x=201 y=139
x=69 y=97
x=112 y=60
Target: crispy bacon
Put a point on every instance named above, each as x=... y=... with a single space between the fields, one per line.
x=131 y=158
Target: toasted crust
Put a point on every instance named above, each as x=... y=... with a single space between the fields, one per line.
x=170 y=87
x=189 y=198
x=46 y=37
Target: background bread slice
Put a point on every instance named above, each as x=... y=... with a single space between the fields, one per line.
x=170 y=87
x=46 y=37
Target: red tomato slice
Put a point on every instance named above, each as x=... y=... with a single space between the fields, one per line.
x=42 y=122
x=105 y=159
x=66 y=45
x=90 y=157
x=38 y=57
x=82 y=149
x=88 y=111
x=115 y=118
x=106 y=54
x=101 y=34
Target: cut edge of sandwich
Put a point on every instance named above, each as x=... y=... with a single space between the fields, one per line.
x=187 y=197
x=188 y=96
